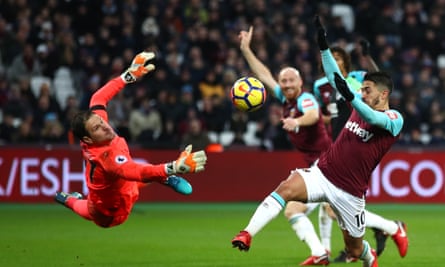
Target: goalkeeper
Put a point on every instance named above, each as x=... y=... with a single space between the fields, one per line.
x=112 y=177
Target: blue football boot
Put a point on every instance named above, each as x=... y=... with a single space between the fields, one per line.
x=179 y=184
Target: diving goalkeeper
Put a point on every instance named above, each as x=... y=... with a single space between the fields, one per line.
x=112 y=177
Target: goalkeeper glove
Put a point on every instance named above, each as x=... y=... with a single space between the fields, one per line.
x=187 y=162
x=365 y=46
x=321 y=34
x=139 y=67
x=342 y=87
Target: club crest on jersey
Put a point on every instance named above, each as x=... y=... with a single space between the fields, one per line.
x=120 y=159
x=355 y=128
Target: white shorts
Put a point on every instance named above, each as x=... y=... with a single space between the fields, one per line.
x=350 y=210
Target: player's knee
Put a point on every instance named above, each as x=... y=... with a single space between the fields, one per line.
x=294 y=207
x=293 y=188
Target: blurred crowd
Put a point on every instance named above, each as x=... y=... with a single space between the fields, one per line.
x=54 y=54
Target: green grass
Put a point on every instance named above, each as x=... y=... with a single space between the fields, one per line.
x=175 y=234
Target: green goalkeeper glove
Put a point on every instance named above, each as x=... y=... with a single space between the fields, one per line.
x=187 y=162
x=139 y=67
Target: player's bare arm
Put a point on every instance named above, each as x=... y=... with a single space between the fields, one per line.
x=258 y=68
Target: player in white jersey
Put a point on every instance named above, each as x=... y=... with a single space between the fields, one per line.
x=342 y=174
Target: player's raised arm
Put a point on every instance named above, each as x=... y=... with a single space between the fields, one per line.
x=329 y=64
x=139 y=67
x=365 y=47
x=258 y=68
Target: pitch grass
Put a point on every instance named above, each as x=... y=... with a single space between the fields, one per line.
x=188 y=235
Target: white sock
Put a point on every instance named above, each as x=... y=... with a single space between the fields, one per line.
x=376 y=221
x=305 y=231
x=366 y=256
x=265 y=212
x=325 y=227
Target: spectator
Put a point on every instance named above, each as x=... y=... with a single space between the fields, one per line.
x=26 y=134
x=24 y=65
x=238 y=125
x=4 y=91
x=41 y=111
x=145 y=123
x=54 y=105
x=196 y=38
x=71 y=108
x=17 y=106
x=210 y=86
x=52 y=131
x=169 y=138
x=195 y=135
x=119 y=109
x=214 y=113
x=8 y=128
x=184 y=124
x=47 y=59
x=271 y=132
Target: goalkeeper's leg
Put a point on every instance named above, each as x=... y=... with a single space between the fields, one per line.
x=81 y=207
x=75 y=202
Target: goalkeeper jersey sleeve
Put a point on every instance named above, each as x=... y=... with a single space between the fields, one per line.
x=101 y=97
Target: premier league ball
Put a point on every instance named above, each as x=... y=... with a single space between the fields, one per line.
x=248 y=94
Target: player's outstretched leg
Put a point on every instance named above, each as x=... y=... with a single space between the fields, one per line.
x=179 y=184
x=401 y=238
x=62 y=197
x=380 y=239
x=268 y=210
x=242 y=241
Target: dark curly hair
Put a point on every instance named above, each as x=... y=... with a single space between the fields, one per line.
x=344 y=55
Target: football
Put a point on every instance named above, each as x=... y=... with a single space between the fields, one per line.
x=248 y=94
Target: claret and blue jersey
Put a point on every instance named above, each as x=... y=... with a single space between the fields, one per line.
x=311 y=140
x=366 y=137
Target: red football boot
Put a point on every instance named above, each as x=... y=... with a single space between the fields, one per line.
x=401 y=238
x=316 y=260
x=242 y=241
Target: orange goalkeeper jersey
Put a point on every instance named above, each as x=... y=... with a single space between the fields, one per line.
x=111 y=174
